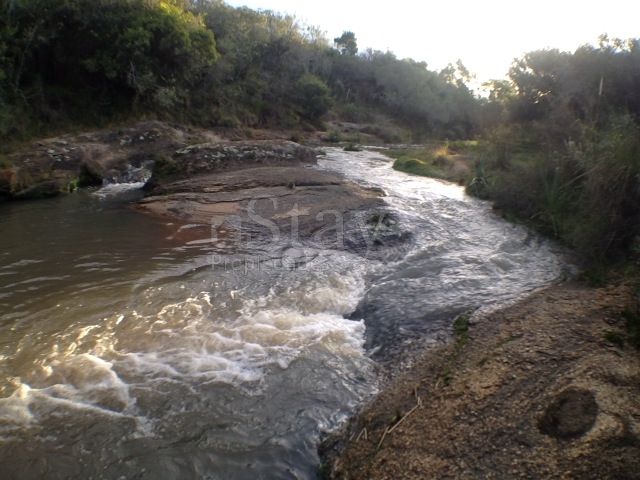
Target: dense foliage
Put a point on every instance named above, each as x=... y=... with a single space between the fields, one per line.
x=564 y=154
x=86 y=62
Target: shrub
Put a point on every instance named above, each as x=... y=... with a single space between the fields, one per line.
x=334 y=136
x=351 y=112
x=588 y=197
x=312 y=96
x=351 y=147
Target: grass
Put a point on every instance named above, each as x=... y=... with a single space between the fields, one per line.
x=461 y=325
x=72 y=185
x=351 y=147
x=587 y=198
x=418 y=167
x=443 y=160
x=461 y=329
x=616 y=338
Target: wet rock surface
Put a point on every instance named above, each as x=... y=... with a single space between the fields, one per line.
x=198 y=178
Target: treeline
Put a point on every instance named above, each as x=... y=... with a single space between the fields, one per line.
x=89 y=62
x=563 y=153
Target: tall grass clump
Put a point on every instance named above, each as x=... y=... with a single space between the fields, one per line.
x=585 y=193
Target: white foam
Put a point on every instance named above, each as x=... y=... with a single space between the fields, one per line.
x=77 y=382
x=102 y=367
x=14 y=410
x=87 y=379
x=192 y=340
x=337 y=293
x=113 y=189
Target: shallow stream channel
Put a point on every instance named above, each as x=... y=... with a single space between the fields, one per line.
x=125 y=353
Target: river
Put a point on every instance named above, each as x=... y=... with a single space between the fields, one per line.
x=127 y=353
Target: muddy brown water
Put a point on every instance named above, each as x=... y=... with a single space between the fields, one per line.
x=126 y=353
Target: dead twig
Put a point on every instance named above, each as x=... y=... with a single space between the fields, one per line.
x=382 y=439
x=404 y=418
x=389 y=430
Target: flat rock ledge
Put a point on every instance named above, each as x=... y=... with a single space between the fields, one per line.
x=260 y=189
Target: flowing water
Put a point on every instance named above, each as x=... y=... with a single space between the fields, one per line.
x=126 y=353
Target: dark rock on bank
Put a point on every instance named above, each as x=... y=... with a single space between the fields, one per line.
x=228 y=156
x=56 y=166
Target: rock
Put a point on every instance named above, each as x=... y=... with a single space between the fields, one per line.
x=49 y=167
x=241 y=193
x=6 y=176
x=228 y=156
x=44 y=189
x=571 y=414
x=322 y=210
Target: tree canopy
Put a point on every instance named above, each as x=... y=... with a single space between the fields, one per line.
x=201 y=61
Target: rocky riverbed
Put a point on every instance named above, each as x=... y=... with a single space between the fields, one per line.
x=56 y=166
x=202 y=179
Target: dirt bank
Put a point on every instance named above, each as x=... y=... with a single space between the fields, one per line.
x=536 y=391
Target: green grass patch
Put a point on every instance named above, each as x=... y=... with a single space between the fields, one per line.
x=418 y=167
x=72 y=185
x=440 y=160
x=461 y=329
x=351 y=147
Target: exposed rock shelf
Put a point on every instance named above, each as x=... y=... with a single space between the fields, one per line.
x=265 y=186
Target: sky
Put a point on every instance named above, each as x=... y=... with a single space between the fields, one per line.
x=485 y=35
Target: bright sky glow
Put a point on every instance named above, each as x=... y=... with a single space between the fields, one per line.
x=486 y=36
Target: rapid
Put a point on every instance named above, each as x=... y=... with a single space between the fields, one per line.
x=126 y=352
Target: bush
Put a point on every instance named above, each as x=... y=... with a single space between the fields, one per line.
x=351 y=112
x=334 y=136
x=588 y=196
x=312 y=96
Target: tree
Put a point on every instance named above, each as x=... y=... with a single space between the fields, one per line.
x=61 y=55
x=347 y=44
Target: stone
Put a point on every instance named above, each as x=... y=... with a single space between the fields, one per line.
x=571 y=414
